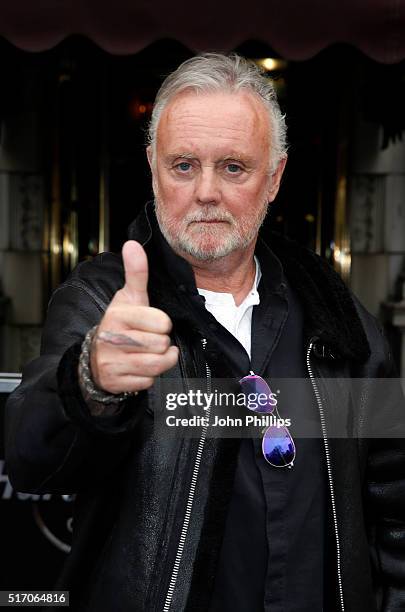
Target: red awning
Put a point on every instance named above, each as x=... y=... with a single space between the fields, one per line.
x=296 y=29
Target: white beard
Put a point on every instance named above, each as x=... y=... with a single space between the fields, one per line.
x=205 y=241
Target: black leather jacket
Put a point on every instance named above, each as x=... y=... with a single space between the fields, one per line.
x=140 y=527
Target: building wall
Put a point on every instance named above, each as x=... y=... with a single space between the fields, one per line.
x=377 y=216
x=22 y=216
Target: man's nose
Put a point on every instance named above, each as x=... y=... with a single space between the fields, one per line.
x=207 y=189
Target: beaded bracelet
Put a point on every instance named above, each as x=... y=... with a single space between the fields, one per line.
x=86 y=382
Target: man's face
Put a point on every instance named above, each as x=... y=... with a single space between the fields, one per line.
x=211 y=173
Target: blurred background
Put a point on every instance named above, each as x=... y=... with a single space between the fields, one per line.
x=77 y=86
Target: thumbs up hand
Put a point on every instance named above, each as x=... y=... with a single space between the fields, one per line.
x=132 y=345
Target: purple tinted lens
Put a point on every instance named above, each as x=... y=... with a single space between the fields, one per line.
x=278 y=447
x=259 y=397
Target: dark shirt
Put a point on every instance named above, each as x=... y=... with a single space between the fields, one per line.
x=272 y=555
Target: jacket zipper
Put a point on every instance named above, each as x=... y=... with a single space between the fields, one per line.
x=190 y=499
x=329 y=470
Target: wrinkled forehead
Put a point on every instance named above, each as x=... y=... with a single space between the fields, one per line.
x=225 y=115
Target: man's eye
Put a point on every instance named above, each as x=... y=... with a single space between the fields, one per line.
x=233 y=168
x=183 y=166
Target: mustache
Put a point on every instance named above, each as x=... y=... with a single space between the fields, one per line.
x=214 y=215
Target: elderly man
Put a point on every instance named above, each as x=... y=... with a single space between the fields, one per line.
x=166 y=523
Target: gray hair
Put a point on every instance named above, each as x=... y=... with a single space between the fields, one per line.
x=213 y=72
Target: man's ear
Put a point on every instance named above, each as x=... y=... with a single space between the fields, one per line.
x=149 y=154
x=275 y=179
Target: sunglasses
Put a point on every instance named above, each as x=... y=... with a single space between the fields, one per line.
x=277 y=446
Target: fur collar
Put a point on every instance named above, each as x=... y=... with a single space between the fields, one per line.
x=329 y=307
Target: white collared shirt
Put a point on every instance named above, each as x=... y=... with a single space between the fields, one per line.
x=236 y=319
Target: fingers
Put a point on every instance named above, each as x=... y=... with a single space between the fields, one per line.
x=136 y=273
x=133 y=371
x=144 y=364
x=129 y=384
x=142 y=318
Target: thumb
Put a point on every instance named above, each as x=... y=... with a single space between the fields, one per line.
x=136 y=272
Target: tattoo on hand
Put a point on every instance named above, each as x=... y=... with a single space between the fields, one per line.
x=118 y=339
